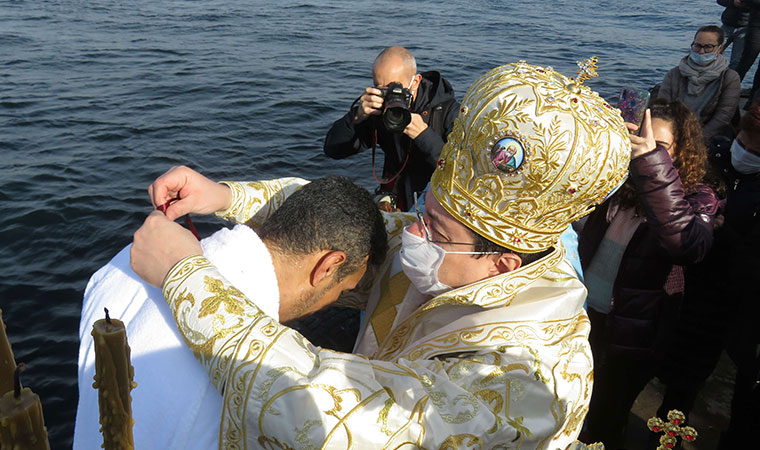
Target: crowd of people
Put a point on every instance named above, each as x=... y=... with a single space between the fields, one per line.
x=482 y=324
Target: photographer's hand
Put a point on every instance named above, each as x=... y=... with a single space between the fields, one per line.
x=196 y=193
x=415 y=127
x=370 y=103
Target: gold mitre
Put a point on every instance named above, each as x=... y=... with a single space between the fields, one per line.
x=530 y=152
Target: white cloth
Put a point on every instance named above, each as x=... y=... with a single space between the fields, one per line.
x=174 y=405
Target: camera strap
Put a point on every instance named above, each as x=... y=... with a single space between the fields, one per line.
x=394 y=177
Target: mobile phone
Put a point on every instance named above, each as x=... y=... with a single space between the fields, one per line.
x=632 y=105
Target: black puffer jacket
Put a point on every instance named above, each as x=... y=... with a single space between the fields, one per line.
x=436 y=104
x=739 y=238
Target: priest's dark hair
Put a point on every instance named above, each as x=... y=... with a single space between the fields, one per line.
x=482 y=244
x=330 y=213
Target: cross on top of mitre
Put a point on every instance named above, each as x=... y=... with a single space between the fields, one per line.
x=587 y=69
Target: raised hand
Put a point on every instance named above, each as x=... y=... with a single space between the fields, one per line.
x=370 y=103
x=187 y=191
x=416 y=126
x=643 y=142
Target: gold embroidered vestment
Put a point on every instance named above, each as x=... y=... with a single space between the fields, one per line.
x=502 y=363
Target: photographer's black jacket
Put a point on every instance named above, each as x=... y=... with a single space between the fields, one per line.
x=436 y=104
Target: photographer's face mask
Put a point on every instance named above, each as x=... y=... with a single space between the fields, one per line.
x=411 y=83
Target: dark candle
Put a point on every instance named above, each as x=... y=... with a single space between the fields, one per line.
x=114 y=380
x=7 y=363
x=21 y=423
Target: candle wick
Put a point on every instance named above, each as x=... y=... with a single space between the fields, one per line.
x=108 y=318
x=17 y=380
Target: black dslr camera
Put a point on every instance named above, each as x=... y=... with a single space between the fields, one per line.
x=396 y=103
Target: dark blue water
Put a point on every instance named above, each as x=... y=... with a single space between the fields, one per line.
x=97 y=98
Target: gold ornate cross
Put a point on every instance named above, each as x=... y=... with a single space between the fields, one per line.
x=586 y=69
x=672 y=429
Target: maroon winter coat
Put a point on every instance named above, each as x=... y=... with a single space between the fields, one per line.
x=677 y=230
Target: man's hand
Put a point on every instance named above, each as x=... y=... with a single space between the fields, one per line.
x=370 y=103
x=196 y=193
x=643 y=142
x=416 y=126
x=158 y=245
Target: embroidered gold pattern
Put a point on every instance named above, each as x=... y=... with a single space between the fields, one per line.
x=254 y=202
x=577 y=151
x=495 y=291
x=230 y=298
x=461 y=441
x=261 y=366
x=382 y=418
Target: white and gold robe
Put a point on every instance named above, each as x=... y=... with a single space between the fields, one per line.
x=501 y=363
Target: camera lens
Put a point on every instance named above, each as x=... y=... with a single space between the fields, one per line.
x=396 y=118
x=396 y=115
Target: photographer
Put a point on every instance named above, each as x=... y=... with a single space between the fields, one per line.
x=411 y=140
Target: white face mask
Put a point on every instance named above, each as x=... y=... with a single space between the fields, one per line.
x=421 y=260
x=744 y=161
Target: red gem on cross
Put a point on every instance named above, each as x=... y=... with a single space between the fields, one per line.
x=669 y=445
x=656 y=428
x=676 y=421
x=672 y=433
x=689 y=437
x=575 y=100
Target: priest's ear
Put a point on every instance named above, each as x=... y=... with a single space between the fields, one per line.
x=505 y=262
x=327 y=265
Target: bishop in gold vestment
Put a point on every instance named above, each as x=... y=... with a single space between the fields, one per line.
x=500 y=363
